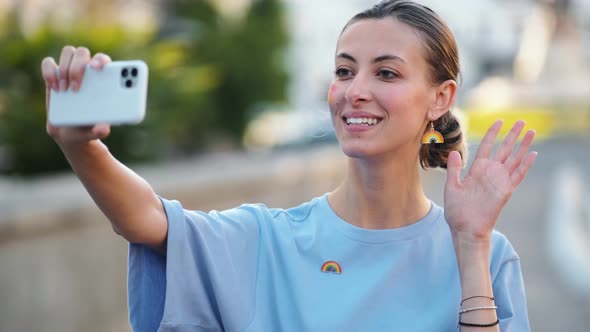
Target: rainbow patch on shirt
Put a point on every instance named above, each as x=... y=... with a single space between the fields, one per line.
x=432 y=136
x=331 y=267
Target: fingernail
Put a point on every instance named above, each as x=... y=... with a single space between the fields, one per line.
x=74 y=86
x=62 y=85
x=94 y=63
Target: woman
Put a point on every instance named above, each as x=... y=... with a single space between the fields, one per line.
x=375 y=254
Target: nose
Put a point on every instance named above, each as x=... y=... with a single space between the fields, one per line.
x=358 y=91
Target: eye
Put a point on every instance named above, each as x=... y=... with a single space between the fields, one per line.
x=387 y=74
x=342 y=72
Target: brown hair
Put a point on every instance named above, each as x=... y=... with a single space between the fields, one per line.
x=442 y=56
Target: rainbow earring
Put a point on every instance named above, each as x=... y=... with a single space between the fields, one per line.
x=432 y=136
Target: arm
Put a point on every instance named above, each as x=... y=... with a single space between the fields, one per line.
x=124 y=197
x=473 y=258
x=472 y=207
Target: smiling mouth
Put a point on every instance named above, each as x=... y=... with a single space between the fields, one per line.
x=362 y=121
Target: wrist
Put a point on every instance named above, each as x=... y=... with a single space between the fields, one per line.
x=473 y=254
x=84 y=153
x=471 y=242
x=473 y=259
x=81 y=148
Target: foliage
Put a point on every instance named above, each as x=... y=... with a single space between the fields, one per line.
x=207 y=74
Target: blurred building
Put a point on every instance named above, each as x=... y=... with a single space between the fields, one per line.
x=489 y=32
x=134 y=14
x=495 y=37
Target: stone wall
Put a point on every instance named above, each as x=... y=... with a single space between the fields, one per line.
x=64 y=269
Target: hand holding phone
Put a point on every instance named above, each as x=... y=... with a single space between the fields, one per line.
x=81 y=83
x=114 y=94
x=64 y=125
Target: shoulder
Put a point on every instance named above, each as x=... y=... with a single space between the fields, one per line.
x=508 y=285
x=263 y=213
x=503 y=255
x=502 y=249
x=248 y=213
x=298 y=213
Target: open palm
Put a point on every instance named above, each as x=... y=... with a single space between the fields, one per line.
x=473 y=204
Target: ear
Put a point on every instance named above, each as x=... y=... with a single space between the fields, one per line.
x=444 y=99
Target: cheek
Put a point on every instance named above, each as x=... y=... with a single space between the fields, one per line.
x=331 y=93
x=391 y=99
x=335 y=96
x=402 y=100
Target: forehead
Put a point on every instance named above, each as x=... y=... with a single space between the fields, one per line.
x=375 y=37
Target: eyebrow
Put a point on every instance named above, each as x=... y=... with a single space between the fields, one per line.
x=376 y=60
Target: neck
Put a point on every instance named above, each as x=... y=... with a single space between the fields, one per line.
x=381 y=195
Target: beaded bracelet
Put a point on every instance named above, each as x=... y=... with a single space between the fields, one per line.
x=480 y=325
x=478 y=308
x=477 y=296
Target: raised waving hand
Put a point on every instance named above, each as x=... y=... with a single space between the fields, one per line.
x=473 y=204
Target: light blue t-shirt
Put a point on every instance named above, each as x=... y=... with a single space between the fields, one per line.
x=255 y=269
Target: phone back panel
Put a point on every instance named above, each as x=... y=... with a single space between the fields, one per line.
x=116 y=95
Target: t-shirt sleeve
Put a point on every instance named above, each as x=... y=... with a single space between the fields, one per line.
x=206 y=281
x=509 y=291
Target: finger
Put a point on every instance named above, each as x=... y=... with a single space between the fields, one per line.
x=78 y=66
x=51 y=130
x=515 y=160
x=47 y=96
x=508 y=144
x=101 y=131
x=78 y=134
x=49 y=72
x=454 y=169
x=487 y=143
x=523 y=169
x=99 y=60
x=65 y=60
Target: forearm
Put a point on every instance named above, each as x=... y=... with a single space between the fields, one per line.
x=473 y=257
x=125 y=198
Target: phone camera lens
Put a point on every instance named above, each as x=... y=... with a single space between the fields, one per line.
x=125 y=72
x=128 y=83
x=134 y=72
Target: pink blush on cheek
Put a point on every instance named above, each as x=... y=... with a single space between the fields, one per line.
x=331 y=93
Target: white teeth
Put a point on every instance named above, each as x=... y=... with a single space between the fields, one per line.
x=368 y=121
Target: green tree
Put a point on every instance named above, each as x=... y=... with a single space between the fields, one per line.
x=25 y=148
x=229 y=69
x=207 y=75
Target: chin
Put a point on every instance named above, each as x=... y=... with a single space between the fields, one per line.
x=359 y=151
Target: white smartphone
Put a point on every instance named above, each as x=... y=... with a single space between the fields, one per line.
x=116 y=94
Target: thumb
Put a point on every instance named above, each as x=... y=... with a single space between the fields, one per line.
x=454 y=169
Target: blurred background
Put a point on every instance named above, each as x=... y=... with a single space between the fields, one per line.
x=237 y=113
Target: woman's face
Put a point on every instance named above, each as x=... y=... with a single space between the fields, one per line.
x=381 y=93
